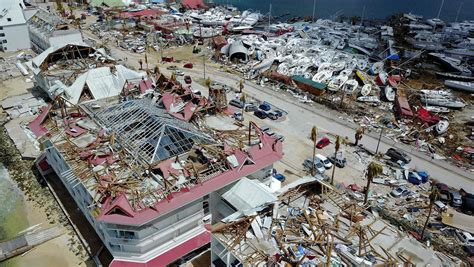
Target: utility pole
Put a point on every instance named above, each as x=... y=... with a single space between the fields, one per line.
x=314 y=9
x=204 y=64
x=378 y=143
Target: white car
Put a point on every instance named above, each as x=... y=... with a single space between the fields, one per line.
x=466 y=238
x=325 y=161
x=180 y=73
x=318 y=165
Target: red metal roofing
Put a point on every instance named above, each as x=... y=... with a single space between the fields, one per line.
x=170 y=255
x=269 y=151
x=193 y=3
x=142 y=13
x=36 y=125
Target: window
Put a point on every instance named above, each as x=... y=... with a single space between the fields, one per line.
x=9 y=19
x=2 y=35
x=1 y=28
x=4 y=41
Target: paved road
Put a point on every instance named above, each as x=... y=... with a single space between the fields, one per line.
x=303 y=117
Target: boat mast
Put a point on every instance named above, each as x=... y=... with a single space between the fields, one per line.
x=459 y=10
x=269 y=15
x=440 y=8
x=314 y=9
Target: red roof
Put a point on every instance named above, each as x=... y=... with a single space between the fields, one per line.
x=270 y=151
x=36 y=125
x=141 y=13
x=193 y=3
x=170 y=255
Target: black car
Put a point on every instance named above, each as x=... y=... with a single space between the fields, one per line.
x=260 y=114
x=397 y=154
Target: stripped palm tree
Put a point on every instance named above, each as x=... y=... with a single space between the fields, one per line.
x=337 y=146
x=314 y=138
x=358 y=135
x=433 y=197
x=373 y=170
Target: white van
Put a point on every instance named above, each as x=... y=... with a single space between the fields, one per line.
x=327 y=164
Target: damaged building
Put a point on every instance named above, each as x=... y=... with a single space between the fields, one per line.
x=78 y=72
x=143 y=178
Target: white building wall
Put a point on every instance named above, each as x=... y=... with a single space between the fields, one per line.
x=16 y=36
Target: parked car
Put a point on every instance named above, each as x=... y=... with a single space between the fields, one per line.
x=172 y=67
x=260 y=114
x=400 y=191
x=250 y=108
x=456 y=199
x=180 y=73
x=397 y=154
x=279 y=113
x=341 y=163
x=280 y=137
x=238 y=116
x=324 y=142
x=187 y=79
x=318 y=165
x=280 y=177
x=466 y=238
x=418 y=177
x=188 y=65
x=265 y=106
x=327 y=164
x=272 y=115
x=236 y=103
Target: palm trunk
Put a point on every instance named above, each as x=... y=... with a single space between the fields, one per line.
x=367 y=188
x=314 y=156
x=427 y=220
x=333 y=168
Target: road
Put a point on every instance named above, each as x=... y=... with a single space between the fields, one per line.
x=302 y=117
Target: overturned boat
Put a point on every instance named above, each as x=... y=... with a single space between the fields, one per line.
x=442 y=127
x=449 y=102
x=389 y=93
x=459 y=85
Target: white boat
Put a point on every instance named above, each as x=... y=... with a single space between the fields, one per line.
x=365 y=91
x=464 y=86
x=436 y=93
x=449 y=102
x=368 y=99
x=435 y=22
x=389 y=93
x=442 y=127
x=351 y=86
x=336 y=83
x=437 y=109
x=377 y=67
x=323 y=76
x=383 y=76
x=346 y=72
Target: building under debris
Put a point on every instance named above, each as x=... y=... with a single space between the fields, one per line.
x=78 y=72
x=143 y=178
x=311 y=223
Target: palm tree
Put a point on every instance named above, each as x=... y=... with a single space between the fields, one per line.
x=373 y=170
x=241 y=86
x=433 y=198
x=336 y=149
x=314 y=138
x=140 y=61
x=358 y=135
x=208 y=82
x=156 y=70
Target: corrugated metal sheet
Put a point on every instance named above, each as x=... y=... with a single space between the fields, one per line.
x=247 y=194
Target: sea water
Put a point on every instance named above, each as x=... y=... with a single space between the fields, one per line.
x=379 y=9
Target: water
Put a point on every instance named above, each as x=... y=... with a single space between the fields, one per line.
x=373 y=8
x=12 y=211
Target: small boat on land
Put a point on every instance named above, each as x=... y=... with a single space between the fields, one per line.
x=453 y=76
x=442 y=127
x=365 y=91
x=463 y=86
x=368 y=99
x=351 y=86
x=337 y=83
x=323 y=76
x=449 y=102
x=389 y=93
x=437 y=109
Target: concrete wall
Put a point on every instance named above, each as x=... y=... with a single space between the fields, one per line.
x=17 y=38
